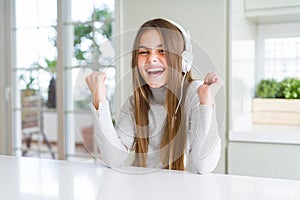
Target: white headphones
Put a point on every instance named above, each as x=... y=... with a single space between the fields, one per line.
x=187 y=59
x=187 y=56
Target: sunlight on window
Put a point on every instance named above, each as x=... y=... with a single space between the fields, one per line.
x=282 y=58
x=82 y=11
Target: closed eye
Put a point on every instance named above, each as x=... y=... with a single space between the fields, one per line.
x=143 y=52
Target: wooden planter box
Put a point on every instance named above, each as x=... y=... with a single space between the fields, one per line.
x=276 y=111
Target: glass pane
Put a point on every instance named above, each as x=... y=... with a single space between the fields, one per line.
x=47 y=12
x=26 y=13
x=45 y=79
x=80 y=139
x=84 y=138
x=100 y=5
x=26 y=48
x=81 y=11
x=110 y=83
x=83 y=44
x=282 y=58
x=35 y=46
x=33 y=13
x=28 y=79
x=39 y=129
x=37 y=82
x=106 y=52
x=47 y=43
x=81 y=94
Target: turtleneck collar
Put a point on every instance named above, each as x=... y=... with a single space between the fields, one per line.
x=158 y=95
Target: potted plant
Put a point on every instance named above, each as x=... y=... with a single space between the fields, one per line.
x=27 y=80
x=277 y=102
x=28 y=101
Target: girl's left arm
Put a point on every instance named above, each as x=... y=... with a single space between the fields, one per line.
x=205 y=142
x=204 y=145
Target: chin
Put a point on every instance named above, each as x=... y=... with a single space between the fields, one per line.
x=156 y=85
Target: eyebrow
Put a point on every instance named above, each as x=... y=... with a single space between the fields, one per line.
x=145 y=47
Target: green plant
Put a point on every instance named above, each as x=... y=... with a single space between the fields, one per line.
x=290 y=88
x=51 y=65
x=85 y=32
x=267 y=88
x=28 y=83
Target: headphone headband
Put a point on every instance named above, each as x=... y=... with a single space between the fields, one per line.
x=187 y=56
x=186 y=35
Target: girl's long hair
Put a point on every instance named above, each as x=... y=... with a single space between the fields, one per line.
x=173 y=141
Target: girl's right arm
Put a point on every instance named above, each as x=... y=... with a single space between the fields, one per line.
x=95 y=82
x=114 y=143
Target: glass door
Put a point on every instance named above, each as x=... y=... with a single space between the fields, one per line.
x=56 y=45
x=89 y=30
x=34 y=72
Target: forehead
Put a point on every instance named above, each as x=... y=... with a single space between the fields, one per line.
x=151 y=39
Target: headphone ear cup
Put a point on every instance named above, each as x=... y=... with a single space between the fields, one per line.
x=187 y=61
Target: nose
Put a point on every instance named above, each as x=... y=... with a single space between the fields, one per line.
x=153 y=57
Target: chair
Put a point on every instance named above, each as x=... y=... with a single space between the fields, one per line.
x=32 y=123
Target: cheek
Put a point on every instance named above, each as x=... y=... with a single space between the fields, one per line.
x=141 y=61
x=163 y=60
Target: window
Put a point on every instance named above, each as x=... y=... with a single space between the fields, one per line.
x=282 y=58
x=260 y=51
x=86 y=30
x=35 y=65
x=278 y=53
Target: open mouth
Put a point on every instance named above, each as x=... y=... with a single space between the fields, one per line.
x=155 y=71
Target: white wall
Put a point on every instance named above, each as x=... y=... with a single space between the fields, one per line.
x=242 y=45
x=265 y=160
x=207 y=23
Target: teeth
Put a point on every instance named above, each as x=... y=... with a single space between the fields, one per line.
x=155 y=70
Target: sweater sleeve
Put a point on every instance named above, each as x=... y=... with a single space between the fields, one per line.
x=204 y=143
x=114 y=143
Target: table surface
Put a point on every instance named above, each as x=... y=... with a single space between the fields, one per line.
x=33 y=178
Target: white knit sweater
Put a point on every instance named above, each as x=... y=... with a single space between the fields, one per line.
x=203 y=141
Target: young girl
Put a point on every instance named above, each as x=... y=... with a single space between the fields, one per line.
x=166 y=123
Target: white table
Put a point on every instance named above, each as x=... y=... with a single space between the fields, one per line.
x=32 y=178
